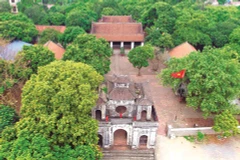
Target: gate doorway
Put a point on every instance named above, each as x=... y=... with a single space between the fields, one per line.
x=100 y=140
x=120 y=137
x=143 y=141
x=98 y=115
x=144 y=116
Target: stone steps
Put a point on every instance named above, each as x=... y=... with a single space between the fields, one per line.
x=128 y=155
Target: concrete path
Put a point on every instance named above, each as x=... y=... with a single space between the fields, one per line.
x=181 y=149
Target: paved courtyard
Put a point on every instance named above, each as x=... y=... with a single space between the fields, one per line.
x=171 y=111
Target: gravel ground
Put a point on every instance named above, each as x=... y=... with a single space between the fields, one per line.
x=181 y=149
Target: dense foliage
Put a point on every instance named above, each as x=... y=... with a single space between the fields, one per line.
x=140 y=55
x=226 y=124
x=55 y=115
x=70 y=34
x=17 y=27
x=29 y=59
x=7 y=117
x=5 y=6
x=49 y=35
x=90 y=50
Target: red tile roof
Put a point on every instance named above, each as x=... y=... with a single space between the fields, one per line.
x=41 y=28
x=57 y=49
x=118 y=28
x=182 y=50
x=115 y=19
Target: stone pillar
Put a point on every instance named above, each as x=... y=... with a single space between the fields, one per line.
x=152 y=138
x=122 y=45
x=132 y=45
x=111 y=44
x=142 y=43
x=149 y=111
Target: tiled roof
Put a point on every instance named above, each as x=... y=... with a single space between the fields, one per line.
x=41 y=28
x=116 y=19
x=9 y=51
x=182 y=50
x=121 y=94
x=118 y=28
x=146 y=99
x=57 y=49
x=119 y=78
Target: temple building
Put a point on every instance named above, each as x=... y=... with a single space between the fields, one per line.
x=126 y=114
x=13 y=4
x=119 y=31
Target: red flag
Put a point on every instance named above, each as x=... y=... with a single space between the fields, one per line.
x=106 y=119
x=179 y=74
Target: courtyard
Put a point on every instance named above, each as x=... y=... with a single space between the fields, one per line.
x=171 y=111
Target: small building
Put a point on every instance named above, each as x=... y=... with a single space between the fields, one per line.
x=126 y=114
x=57 y=49
x=41 y=28
x=13 y=4
x=9 y=51
x=182 y=50
x=119 y=31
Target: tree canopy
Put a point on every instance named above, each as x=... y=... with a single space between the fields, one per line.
x=55 y=111
x=17 y=27
x=140 y=55
x=90 y=50
x=29 y=59
x=70 y=34
x=49 y=34
x=211 y=77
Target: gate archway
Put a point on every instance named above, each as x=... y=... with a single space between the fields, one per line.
x=98 y=115
x=143 y=141
x=120 y=137
x=144 y=115
x=100 y=140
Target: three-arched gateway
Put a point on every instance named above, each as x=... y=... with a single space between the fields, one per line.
x=127 y=115
x=120 y=137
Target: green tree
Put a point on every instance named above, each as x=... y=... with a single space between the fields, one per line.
x=226 y=124
x=5 y=6
x=159 y=38
x=234 y=37
x=109 y=11
x=55 y=123
x=139 y=56
x=90 y=50
x=82 y=17
x=56 y=18
x=29 y=59
x=191 y=27
x=49 y=35
x=37 y=14
x=70 y=34
x=8 y=117
x=17 y=27
x=212 y=79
